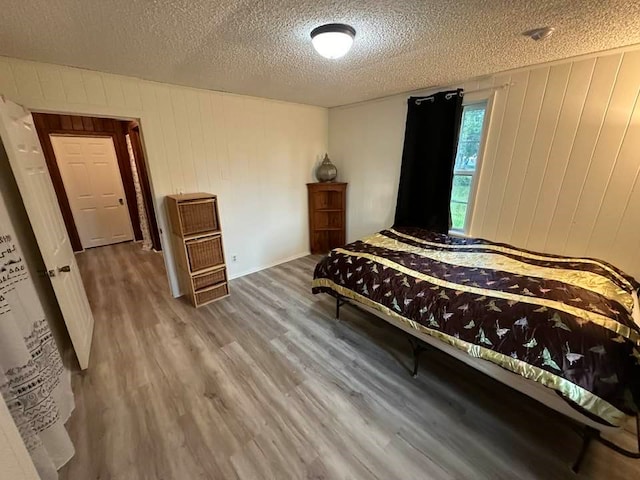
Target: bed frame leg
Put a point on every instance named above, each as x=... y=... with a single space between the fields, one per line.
x=339 y=302
x=416 y=349
x=587 y=437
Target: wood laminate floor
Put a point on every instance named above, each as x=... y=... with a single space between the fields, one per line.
x=266 y=384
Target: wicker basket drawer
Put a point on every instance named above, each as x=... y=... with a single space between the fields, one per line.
x=204 y=253
x=211 y=294
x=198 y=216
x=209 y=279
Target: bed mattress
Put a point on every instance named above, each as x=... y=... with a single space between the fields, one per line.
x=565 y=323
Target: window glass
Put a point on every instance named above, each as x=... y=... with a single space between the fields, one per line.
x=466 y=163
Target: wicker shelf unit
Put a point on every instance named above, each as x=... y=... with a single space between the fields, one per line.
x=196 y=236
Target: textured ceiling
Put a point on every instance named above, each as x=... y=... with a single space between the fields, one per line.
x=262 y=48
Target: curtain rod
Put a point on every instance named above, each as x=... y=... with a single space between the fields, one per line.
x=448 y=96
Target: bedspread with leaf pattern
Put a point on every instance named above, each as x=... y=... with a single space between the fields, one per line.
x=563 y=322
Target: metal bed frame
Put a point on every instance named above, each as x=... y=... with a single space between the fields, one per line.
x=588 y=433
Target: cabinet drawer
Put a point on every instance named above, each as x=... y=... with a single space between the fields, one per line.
x=204 y=253
x=211 y=294
x=198 y=216
x=209 y=279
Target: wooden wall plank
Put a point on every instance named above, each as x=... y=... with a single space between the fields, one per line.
x=113 y=91
x=544 y=135
x=131 y=93
x=65 y=122
x=73 y=85
x=221 y=133
x=519 y=161
x=593 y=114
x=183 y=120
x=616 y=201
x=600 y=167
x=98 y=124
x=211 y=162
x=7 y=82
x=169 y=140
x=76 y=123
x=193 y=99
x=27 y=81
x=87 y=124
x=51 y=83
x=94 y=88
x=625 y=240
x=151 y=133
x=504 y=155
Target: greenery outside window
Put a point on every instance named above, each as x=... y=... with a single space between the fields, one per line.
x=466 y=165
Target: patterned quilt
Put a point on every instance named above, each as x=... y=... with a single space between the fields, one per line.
x=563 y=322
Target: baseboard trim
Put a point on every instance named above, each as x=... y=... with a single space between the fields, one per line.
x=273 y=264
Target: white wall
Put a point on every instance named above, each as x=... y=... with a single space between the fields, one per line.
x=255 y=154
x=560 y=168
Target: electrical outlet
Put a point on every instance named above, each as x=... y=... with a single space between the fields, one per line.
x=234 y=258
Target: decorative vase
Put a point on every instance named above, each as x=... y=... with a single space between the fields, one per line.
x=326 y=171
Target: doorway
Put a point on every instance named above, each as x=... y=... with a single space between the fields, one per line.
x=102 y=201
x=33 y=169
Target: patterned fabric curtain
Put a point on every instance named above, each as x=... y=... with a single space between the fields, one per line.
x=33 y=381
x=144 y=224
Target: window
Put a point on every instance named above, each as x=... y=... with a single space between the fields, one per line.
x=466 y=164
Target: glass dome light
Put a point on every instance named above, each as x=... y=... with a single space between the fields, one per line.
x=333 y=40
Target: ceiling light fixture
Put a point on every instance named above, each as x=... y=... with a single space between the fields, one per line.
x=539 y=33
x=333 y=40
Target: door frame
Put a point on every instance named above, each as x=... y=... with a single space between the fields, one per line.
x=98 y=136
x=44 y=131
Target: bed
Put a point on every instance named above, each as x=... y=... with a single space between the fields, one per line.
x=564 y=331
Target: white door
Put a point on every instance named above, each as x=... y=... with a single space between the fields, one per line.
x=91 y=177
x=15 y=461
x=32 y=176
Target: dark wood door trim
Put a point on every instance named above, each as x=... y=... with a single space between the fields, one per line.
x=53 y=124
x=56 y=179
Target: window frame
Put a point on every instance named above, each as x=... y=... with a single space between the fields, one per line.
x=474 y=99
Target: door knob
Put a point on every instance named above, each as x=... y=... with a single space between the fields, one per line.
x=121 y=201
x=66 y=268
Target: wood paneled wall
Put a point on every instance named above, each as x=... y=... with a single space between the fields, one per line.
x=47 y=124
x=561 y=166
x=255 y=154
x=562 y=172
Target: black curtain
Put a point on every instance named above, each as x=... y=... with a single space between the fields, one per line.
x=430 y=142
